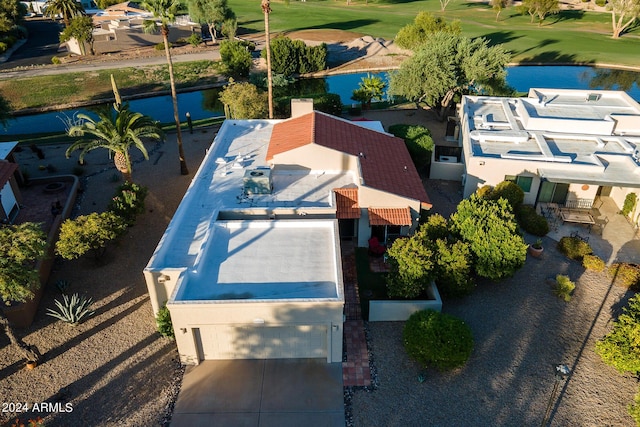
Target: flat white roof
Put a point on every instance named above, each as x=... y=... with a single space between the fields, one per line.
x=5 y=149
x=559 y=129
x=253 y=258
x=258 y=260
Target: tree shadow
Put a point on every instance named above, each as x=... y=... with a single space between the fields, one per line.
x=554 y=56
x=543 y=43
x=567 y=15
x=501 y=37
x=345 y=25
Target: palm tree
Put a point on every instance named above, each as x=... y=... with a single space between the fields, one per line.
x=266 y=9
x=117 y=129
x=165 y=10
x=67 y=8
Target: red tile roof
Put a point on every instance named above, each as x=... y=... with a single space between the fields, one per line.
x=384 y=159
x=389 y=216
x=347 y=203
x=6 y=171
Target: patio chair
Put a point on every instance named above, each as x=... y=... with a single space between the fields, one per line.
x=601 y=223
x=375 y=247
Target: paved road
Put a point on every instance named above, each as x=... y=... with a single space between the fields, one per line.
x=41 y=46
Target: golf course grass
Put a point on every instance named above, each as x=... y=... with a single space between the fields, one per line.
x=571 y=36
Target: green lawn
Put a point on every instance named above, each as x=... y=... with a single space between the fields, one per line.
x=569 y=37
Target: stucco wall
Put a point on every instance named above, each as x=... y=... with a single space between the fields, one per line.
x=317 y=157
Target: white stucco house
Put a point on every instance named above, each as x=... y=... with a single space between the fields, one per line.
x=562 y=146
x=250 y=265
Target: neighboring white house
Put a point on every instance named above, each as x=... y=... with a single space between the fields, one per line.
x=250 y=265
x=10 y=197
x=562 y=146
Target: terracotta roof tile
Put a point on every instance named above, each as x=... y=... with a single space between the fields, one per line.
x=6 y=171
x=384 y=159
x=389 y=216
x=347 y=203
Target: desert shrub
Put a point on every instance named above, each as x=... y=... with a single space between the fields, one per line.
x=629 y=203
x=484 y=191
x=236 y=58
x=3 y=47
x=418 y=141
x=72 y=309
x=620 y=348
x=490 y=228
x=453 y=268
x=55 y=60
x=410 y=266
x=601 y=3
x=164 y=324
x=626 y=275
x=593 y=262
x=510 y=191
x=564 y=287
x=128 y=201
x=194 y=39
x=574 y=247
x=160 y=46
x=88 y=233
x=531 y=222
x=437 y=339
x=634 y=409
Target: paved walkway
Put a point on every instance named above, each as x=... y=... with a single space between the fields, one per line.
x=355 y=367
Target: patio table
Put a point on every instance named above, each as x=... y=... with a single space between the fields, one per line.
x=577 y=216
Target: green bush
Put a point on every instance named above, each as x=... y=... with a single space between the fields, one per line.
x=484 y=191
x=290 y=57
x=88 y=233
x=418 y=141
x=593 y=262
x=490 y=228
x=3 y=47
x=510 y=191
x=634 y=409
x=164 y=324
x=531 y=222
x=626 y=275
x=620 y=348
x=194 y=39
x=236 y=58
x=410 y=266
x=629 y=203
x=564 y=287
x=160 y=46
x=437 y=339
x=574 y=247
x=128 y=201
x=601 y=3
x=55 y=60
x=453 y=267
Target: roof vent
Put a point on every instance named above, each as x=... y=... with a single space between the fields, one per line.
x=593 y=97
x=257 y=181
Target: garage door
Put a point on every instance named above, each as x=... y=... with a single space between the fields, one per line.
x=261 y=342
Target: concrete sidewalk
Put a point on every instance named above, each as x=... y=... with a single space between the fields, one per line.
x=261 y=393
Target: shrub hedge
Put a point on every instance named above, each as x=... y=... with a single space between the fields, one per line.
x=593 y=262
x=437 y=339
x=531 y=222
x=626 y=275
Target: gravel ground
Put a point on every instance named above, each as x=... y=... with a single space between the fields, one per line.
x=521 y=331
x=114 y=369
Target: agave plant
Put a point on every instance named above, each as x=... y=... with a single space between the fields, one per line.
x=72 y=310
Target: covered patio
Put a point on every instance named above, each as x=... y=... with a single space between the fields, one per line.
x=610 y=234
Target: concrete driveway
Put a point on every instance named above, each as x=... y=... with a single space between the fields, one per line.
x=261 y=393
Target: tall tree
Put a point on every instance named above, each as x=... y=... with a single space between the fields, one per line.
x=540 y=8
x=499 y=5
x=81 y=29
x=66 y=8
x=623 y=14
x=21 y=246
x=165 y=10
x=210 y=12
x=117 y=129
x=423 y=26
x=11 y=13
x=243 y=101
x=447 y=66
x=266 y=9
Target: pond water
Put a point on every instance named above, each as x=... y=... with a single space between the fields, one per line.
x=204 y=104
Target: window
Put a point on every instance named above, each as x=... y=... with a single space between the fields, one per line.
x=523 y=182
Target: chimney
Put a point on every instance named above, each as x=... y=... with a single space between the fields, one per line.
x=301 y=106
